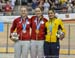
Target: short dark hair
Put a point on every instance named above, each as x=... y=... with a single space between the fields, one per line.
x=51 y=10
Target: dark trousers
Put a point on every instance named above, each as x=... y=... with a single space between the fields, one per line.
x=51 y=50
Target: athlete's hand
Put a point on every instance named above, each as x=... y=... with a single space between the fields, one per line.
x=14 y=37
x=62 y=36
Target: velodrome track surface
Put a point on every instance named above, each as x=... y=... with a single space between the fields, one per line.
x=65 y=44
x=12 y=56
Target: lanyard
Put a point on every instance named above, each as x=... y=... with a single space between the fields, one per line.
x=51 y=27
x=37 y=23
x=24 y=24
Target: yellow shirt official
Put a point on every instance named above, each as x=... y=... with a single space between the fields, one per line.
x=51 y=36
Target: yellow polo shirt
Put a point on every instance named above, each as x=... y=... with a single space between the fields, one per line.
x=54 y=23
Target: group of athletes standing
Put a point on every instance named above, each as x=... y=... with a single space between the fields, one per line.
x=37 y=34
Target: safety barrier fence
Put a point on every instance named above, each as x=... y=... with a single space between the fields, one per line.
x=67 y=45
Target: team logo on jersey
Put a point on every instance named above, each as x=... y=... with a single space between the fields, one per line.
x=42 y=22
x=28 y=23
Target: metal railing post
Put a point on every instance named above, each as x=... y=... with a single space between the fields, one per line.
x=7 y=37
x=69 y=39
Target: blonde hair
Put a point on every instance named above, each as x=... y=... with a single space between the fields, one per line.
x=23 y=7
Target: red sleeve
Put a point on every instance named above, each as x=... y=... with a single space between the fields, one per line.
x=14 y=24
x=45 y=20
x=31 y=20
